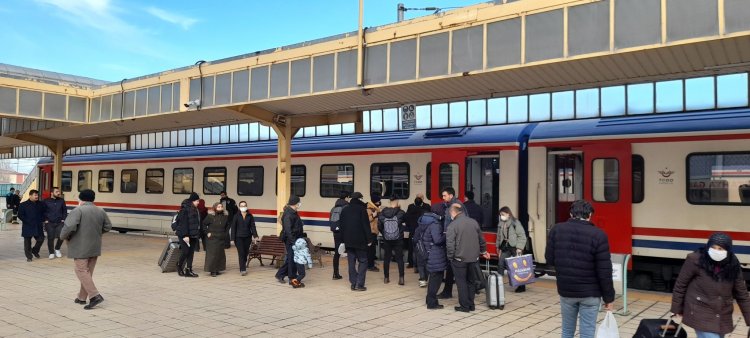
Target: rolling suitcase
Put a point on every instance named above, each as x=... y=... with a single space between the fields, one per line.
x=170 y=255
x=495 y=290
x=655 y=328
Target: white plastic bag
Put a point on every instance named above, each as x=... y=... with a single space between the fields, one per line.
x=608 y=327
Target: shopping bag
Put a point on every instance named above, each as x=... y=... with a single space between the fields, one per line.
x=520 y=270
x=608 y=327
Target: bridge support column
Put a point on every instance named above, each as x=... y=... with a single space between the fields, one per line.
x=57 y=170
x=285 y=134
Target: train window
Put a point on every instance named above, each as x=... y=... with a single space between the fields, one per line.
x=428 y=181
x=129 y=181
x=182 y=181
x=335 y=178
x=214 y=180
x=390 y=180
x=449 y=176
x=638 y=172
x=250 y=181
x=718 y=178
x=67 y=181
x=154 y=181
x=84 y=180
x=106 y=180
x=299 y=180
x=606 y=180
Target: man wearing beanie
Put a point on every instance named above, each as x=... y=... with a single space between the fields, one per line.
x=83 y=229
x=189 y=232
x=291 y=230
x=373 y=211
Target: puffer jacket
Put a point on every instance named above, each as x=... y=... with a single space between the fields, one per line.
x=706 y=304
x=302 y=253
x=391 y=212
x=373 y=212
x=433 y=239
x=291 y=225
x=188 y=221
x=579 y=251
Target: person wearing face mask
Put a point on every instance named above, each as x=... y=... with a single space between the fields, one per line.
x=709 y=280
x=511 y=239
x=413 y=212
x=216 y=229
x=243 y=233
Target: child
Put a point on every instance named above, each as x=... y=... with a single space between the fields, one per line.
x=301 y=257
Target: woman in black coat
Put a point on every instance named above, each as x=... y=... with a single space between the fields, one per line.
x=243 y=233
x=216 y=231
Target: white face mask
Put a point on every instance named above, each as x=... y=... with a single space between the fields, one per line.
x=503 y=218
x=717 y=255
x=243 y=209
x=299 y=205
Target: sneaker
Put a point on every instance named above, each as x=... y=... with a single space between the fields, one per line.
x=360 y=288
x=243 y=273
x=51 y=256
x=58 y=254
x=294 y=283
x=423 y=284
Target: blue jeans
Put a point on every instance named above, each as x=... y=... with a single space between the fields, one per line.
x=702 y=334
x=574 y=308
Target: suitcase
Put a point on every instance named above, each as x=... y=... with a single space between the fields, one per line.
x=649 y=328
x=170 y=255
x=495 y=290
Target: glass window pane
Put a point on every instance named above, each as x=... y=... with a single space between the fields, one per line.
x=641 y=98
x=457 y=114
x=214 y=180
x=669 y=96
x=182 y=181
x=390 y=180
x=732 y=90
x=264 y=132
x=448 y=175
x=606 y=180
x=299 y=178
x=154 y=181
x=563 y=107
x=308 y=132
x=613 y=101
x=477 y=112
x=250 y=181
x=497 y=111
x=587 y=103
x=428 y=181
x=390 y=119
x=366 y=121
x=518 y=109
x=321 y=131
x=439 y=115
x=699 y=93
x=539 y=107
x=129 y=181
x=334 y=129
x=423 y=117
x=719 y=178
x=335 y=178
x=638 y=180
x=347 y=128
x=376 y=121
x=254 y=131
x=67 y=181
x=106 y=180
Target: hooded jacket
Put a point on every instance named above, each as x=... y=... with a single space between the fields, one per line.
x=433 y=239
x=291 y=225
x=355 y=225
x=391 y=212
x=188 y=221
x=413 y=212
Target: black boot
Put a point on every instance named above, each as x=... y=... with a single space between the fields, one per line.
x=180 y=271
x=94 y=302
x=190 y=273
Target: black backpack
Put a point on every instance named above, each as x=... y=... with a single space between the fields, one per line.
x=174 y=221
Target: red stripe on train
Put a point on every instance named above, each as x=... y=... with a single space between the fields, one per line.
x=269 y=212
x=685 y=233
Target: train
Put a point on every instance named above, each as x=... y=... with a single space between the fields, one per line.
x=660 y=184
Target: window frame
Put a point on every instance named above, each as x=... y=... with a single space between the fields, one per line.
x=262 y=179
x=62 y=179
x=687 y=176
x=122 y=172
x=320 y=178
x=192 y=184
x=408 y=176
x=99 y=177
x=592 y=186
x=304 y=176
x=163 y=177
x=78 y=179
x=226 y=178
x=634 y=158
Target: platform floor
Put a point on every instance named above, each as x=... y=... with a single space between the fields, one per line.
x=37 y=300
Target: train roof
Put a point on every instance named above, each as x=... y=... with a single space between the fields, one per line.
x=501 y=134
x=706 y=121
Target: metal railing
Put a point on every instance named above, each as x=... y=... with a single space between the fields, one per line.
x=29 y=179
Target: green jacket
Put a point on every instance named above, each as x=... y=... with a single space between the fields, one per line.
x=83 y=229
x=516 y=235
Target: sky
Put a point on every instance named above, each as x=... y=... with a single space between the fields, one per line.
x=116 y=39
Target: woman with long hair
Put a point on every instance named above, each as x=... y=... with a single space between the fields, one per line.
x=709 y=282
x=511 y=239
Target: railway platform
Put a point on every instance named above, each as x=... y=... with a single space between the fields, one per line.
x=37 y=301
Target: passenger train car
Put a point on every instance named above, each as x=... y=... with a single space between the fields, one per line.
x=660 y=184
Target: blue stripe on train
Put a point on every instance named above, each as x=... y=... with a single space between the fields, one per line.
x=685 y=246
x=170 y=214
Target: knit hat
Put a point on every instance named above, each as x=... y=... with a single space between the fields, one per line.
x=293 y=200
x=721 y=239
x=375 y=198
x=87 y=195
x=193 y=197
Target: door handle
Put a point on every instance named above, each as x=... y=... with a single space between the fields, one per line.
x=538 y=191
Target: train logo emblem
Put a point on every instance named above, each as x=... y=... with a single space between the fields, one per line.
x=418 y=178
x=666 y=175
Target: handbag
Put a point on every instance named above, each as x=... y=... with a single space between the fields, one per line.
x=520 y=270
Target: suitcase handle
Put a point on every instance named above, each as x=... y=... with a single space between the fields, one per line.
x=679 y=328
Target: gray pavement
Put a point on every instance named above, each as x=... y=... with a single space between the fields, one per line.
x=36 y=299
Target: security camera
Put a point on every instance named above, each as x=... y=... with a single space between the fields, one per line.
x=194 y=103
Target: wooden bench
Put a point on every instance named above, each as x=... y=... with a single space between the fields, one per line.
x=274 y=247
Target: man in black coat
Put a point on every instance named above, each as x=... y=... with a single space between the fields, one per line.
x=413 y=212
x=31 y=214
x=16 y=203
x=291 y=230
x=355 y=227
x=473 y=209
x=54 y=219
x=579 y=251
x=231 y=208
x=189 y=232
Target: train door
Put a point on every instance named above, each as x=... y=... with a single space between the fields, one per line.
x=45 y=182
x=448 y=166
x=483 y=179
x=564 y=184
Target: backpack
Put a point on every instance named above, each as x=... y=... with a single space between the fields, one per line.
x=391 y=229
x=174 y=222
x=334 y=221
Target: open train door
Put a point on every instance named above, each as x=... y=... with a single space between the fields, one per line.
x=608 y=186
x=448 y=168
